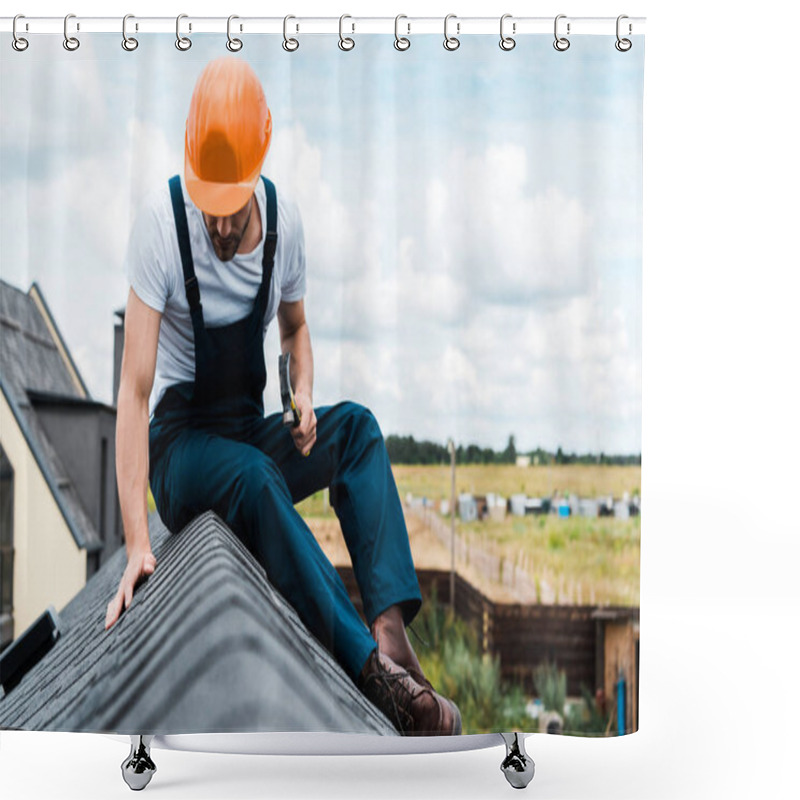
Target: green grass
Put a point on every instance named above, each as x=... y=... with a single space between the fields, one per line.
x=601 y=554
x=316 y=505
x=453 y=663
x=551 y=687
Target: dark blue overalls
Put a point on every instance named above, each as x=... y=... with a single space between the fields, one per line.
x=212 y=448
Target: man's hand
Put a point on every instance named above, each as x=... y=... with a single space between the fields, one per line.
x=305 y=434
x=295 y=339
x=141 y=563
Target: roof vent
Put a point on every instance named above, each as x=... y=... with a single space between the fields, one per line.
x=27 y=649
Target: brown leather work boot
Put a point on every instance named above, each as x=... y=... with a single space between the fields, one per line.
x=414 y=709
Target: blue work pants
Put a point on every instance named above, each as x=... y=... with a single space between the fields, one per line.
x=250 y=473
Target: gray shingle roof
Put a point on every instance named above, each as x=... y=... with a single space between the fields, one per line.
x=30 y=359
x=208 y=645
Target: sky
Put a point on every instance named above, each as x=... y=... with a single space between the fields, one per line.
x=472 y=218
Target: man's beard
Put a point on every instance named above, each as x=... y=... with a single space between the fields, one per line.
x=226 y=248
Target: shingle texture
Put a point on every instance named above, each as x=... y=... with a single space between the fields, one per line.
x=208 y=645
x=30 y=360
x=30 y=357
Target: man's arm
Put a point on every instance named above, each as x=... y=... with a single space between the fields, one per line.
x=142 y=325
x=296 y=339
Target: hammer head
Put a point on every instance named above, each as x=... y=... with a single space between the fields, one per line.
x=291 y=416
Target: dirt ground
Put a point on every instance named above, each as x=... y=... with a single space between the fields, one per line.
x=426 y=550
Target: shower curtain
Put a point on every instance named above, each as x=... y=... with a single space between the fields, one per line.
x=459 y=250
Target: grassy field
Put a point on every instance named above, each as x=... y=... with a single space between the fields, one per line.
x=575 y=560
x=585 y=480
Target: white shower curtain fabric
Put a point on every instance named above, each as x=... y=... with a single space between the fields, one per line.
x=459 y=234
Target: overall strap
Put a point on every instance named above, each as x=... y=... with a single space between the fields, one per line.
x=271 y=235
x=182 y=228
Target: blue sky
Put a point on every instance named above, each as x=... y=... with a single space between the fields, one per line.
x=472 y=219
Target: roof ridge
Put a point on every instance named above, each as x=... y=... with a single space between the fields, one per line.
x=210 y=650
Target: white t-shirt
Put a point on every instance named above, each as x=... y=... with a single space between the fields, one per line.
x=227 y=288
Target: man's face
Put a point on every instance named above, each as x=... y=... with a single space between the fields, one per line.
x=226 y=232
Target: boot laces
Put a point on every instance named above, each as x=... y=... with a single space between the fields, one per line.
x=393 y=688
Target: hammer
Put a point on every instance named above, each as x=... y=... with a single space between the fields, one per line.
x=291 y=414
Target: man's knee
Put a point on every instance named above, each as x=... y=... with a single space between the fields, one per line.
x=361 y=420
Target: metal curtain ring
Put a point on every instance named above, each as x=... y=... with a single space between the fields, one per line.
x=182 y=42
x=346 y=43
x=128 y=42
x=70 y=42
x=290 y=45
x=561 y=43
x=623 y=45
x=18 y=42
x=400 y=42
x=451 y=42
x=507 y=42
x=234 y=45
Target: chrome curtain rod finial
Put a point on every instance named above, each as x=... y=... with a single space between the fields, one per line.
x=138 y=768
x=517 y=766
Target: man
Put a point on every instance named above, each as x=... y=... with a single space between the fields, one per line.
x=208 y=272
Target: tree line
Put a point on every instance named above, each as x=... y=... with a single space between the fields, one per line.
x=407 y=450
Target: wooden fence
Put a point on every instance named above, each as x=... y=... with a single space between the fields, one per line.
x=521 y=636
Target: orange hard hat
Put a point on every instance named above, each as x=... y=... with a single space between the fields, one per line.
x=228 y=132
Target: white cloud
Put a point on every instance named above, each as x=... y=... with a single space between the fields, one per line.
x=483 y=317
x=149 y=159
x=508 y=241
x=333 y=234
x=68 y=230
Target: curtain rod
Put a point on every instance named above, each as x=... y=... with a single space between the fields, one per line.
x=514 y=26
